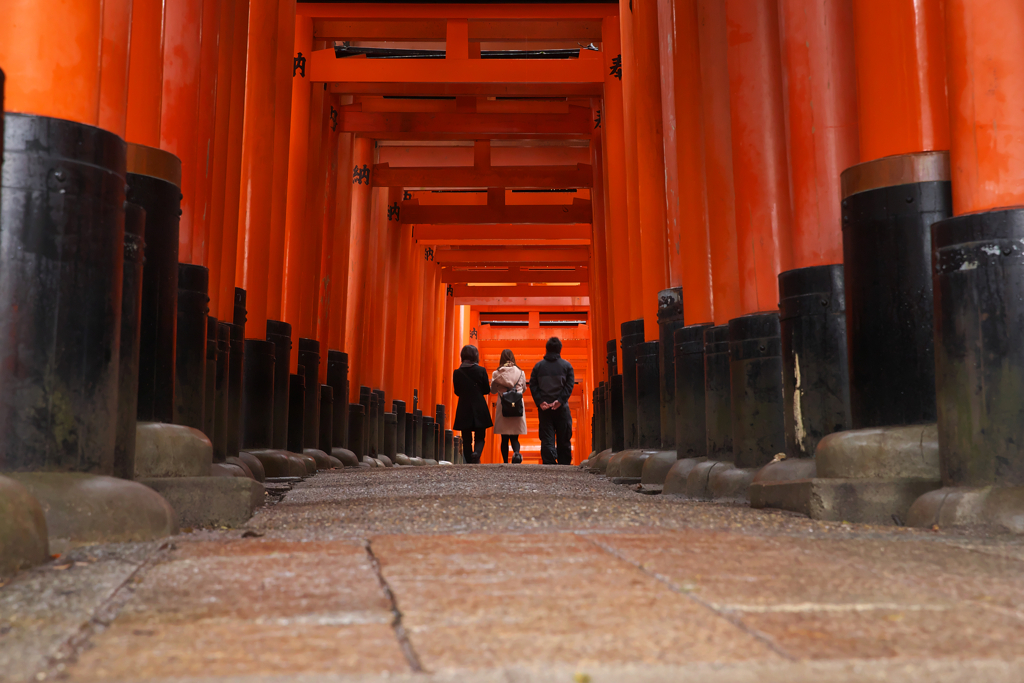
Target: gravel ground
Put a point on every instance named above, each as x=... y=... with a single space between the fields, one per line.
x=520 y=573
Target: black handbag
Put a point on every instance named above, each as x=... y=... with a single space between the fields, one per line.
x=512 y=402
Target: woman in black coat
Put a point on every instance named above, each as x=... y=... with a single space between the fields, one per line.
x=472 y=385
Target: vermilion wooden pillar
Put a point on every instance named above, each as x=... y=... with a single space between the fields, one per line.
x=403 y=329
x=391 y=318
x=414 y=342
x=298 y=167
x=620 y=281
x=205 y=129
x=256 y=174
x=362 y=158
x=430 y=330
x=439 y=336
x=760 y=173
x=901 y=77
x=316 y=201
x=821 y=96
x=600 y=297
x=650 y=161
x=373 y=303
x=332 y=250
x=34 y=36
x=145 y=72
x=284 y=67
x=721 y=194
x=629 y=125
x=117 y=20
x=682 y=111
x=179 y=103
x=986 y=103
x=226 y=280
x=342 y=225
x=445 y=367
x=215 y=219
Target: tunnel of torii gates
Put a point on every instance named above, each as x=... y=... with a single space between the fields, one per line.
x=820 y=195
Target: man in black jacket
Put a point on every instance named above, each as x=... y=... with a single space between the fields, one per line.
x=551 y=384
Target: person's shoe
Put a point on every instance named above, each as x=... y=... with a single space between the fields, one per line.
x=517 y=459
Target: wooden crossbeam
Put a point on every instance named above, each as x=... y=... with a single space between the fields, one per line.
x=577 y=123
x=500 y=256
x=520 y=290
x=504 y=233
x=494 y=77
x=578 y=274
x=577 y=212
x=521 y=301
x=480 y=30
x=519 y=177
x=389 y=11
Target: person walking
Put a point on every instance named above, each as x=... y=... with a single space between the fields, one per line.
x=471 y=416
x=509 y=383
x=551 y=384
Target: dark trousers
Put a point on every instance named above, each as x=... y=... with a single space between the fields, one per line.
x=505 y=438
x=472 y=455
x=556 y=436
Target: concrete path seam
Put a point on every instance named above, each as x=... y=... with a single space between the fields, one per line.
x=400 y=633
x=102 y=617
x=733 y=619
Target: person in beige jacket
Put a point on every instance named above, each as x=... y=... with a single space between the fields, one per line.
x=508 y=377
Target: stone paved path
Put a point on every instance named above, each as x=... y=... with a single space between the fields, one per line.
x=502 y=573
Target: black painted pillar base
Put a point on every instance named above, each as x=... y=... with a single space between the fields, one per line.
x=888 y=208
x=62 y=215
x=816 y=377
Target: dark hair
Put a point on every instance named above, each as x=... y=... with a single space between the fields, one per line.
x=507 y=357
x=470 y=354
x=554 y=345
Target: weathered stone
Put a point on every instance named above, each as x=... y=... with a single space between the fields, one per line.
x=240 y=464
x=417 y=462
x=299 y=466
x=370 y=461
x=730 y=484
x=274 y=462
x=656 y=467
x=335 y=463
x=870 y=475
x=209 y=501
x=787 y=469
x=614 y=466
x=868 y=501
x=224 y=469
x=23 y=538
x=402 y=459
x=600 y=463
x=347 y=457
x=386 y=460
x=169 y=450
x=322 y=460
x=675 y=479
x=900 y=452
x=82 y=509
x=632 y=465
x=988 y=508
x=254 y=464
x=430 y=462
x=697 y=481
